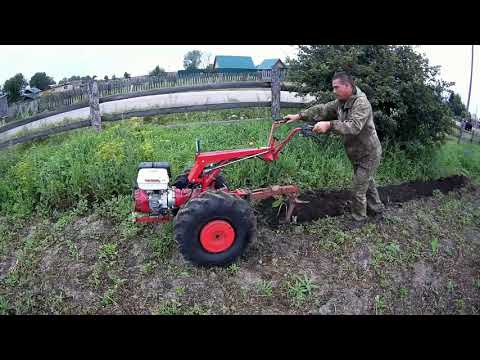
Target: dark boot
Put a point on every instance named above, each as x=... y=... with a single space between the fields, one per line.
x=353 y=222
x=375 y=216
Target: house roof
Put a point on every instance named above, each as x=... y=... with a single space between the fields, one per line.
x=233 y=62
x=32 y=89
x=268 y=64
x=54 y=86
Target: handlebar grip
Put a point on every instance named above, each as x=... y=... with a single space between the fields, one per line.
x=307 y=130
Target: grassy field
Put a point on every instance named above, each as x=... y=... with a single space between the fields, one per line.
x=67 y=245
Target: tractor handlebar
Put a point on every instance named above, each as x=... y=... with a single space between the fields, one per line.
x=280 y=121
x=307 y=131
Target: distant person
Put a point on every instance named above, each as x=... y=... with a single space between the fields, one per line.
x=468 y=125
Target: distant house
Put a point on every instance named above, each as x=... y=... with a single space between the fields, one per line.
x=267 y=64
x=30 y=93
x=57 y=88
x=233 y=63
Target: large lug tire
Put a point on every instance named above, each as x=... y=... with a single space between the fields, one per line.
x=214 y=228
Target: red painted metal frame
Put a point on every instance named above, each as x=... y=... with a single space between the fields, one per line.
x=221 y=158
x=264 y=193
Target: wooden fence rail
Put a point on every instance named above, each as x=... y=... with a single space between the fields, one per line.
x=138 y=88
x=54 y=101
x=140 y=113
x=179 y=89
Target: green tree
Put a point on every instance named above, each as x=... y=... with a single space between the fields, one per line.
x=192 y=60
x=74 y=78
x=456 y=105
x=207 y=64
x=41 y=81
x=157 y=71
x=13 y=86
x=405 y=93
x=126 y=75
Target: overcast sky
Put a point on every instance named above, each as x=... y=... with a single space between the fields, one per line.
x=60 y=61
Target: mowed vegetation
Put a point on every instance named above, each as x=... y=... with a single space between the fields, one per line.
x=85 y=166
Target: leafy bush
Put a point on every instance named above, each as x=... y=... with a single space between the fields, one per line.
x=405 y=93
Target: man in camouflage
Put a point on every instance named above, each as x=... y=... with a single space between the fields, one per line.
x=351 y=116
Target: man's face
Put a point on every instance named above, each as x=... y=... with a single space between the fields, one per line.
x=341 y=90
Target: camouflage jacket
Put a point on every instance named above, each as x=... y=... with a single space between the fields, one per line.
x=352 y=119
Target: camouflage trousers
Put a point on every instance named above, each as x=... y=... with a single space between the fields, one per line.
x=364 y=190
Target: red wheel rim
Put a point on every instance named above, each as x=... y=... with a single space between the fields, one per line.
x=217 y=236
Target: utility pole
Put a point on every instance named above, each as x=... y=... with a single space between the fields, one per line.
x=469 y=92
x=470 y=88
x=474 y=125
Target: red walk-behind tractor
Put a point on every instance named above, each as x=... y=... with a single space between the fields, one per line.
x=213 y=225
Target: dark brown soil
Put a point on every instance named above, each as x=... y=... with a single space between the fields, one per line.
x=323 y=203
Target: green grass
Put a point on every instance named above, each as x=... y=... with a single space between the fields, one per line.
x=455 y=158
x=162 y=244
x=3 y=306
x=108 y=252
x=4 y=238
x=174 y=307
x=84 y=168
x=27 y=259
x=108 y=297
x=299 y=289
x=72 y=249
x=111 y=294
x=148 y=267
x=379 y=305
x=434 y=244
x=180 y=290
x=403 y=292
x=216 y=115
x=265 y=288
x=476 y=283
x=233 y=269
x=170 y=307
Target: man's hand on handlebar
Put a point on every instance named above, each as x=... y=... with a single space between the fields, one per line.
x=292 y=118
x=322 y=127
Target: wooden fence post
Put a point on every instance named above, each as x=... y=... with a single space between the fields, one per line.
x=275 y=84
x=474 y=127
x=93 y=97
x=3 y=108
